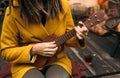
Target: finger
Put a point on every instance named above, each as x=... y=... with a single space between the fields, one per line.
x=52 y=42
x=78 y=29
x=80 y=35
x=49 y=55
x=85 y=29
x=51 y=45
x=82 y=30
x=51 y=49
x=81 y=24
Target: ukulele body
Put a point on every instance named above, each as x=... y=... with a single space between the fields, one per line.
x=42 y=60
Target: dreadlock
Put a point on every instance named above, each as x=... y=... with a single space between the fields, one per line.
x=30 y=10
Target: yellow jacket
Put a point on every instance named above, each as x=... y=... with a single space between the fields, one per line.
x=18 y=37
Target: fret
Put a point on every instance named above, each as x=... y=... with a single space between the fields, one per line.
x=63 y=38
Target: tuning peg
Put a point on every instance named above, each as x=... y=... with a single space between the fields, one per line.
x=98 y=20
x=95 y=16
x=91 y=24
x=89 y=19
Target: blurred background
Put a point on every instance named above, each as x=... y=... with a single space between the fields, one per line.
x=103 y=39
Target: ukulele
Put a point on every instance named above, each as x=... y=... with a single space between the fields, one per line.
x=91 y=21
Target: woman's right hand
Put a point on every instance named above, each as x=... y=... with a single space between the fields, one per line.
x=47 y=49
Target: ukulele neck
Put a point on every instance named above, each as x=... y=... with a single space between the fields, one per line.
x=62 y=39
x=91 y=21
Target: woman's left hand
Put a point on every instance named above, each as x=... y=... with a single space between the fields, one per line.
x=81 y=30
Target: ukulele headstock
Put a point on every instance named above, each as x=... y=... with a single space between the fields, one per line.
x=94 y=19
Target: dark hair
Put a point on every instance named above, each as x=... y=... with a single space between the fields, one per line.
x=30 y=10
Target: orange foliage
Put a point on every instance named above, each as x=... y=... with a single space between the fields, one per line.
x=103 y=4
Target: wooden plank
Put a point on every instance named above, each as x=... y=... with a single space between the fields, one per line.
x=101 y=51
x=98 y=67
x=72 y=55
x=103 y=64
x=106 y=43
x=81 y=58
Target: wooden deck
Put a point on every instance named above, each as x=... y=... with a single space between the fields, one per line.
x=103 y=64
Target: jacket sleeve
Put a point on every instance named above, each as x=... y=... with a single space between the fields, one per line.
x=73 y=42
x=11 y=51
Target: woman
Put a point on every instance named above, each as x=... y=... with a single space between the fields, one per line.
x=26 y=24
